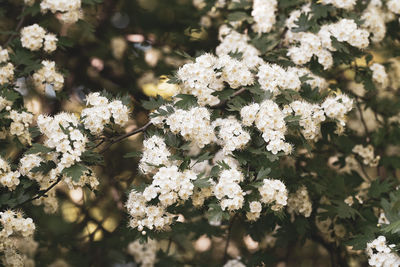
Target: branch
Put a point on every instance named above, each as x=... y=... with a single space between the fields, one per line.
x=41 y=192
x=122 y=137
x=19 y=25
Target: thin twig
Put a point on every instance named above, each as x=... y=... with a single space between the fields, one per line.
x=41 y=192
x=122 y=137
x=19 y=25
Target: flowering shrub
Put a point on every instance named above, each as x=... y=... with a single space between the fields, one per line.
x=284 y=133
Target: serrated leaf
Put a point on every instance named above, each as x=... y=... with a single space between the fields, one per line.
x=186 y=102
x=153 y=103
x=263 y=173
x=44 y=167
x=378 y=188
x=201 y=183
x=392 y=228
x=75 y=171
x=38 y=148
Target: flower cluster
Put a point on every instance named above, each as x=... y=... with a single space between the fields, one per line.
x=234 y=42
x=374 y=21
x=48 y=76
x=8 y=178
x=345 y=4
x=231 y=135
x=62 y=134
x=149 y=216
x=379 y=75
x=336 y=107
x=228 y=190
x=311 y=116
x=264 y=15
x=155 y=153
x=7 y=70
x=170 y=185
x=207 y=74
x=5 y=104
x=194 y=125
x=320 y=44
x=270 y=120
x=4 y=57
x=15 y=232
x=273 y=77
x=101 y=112
x=380 y=254
x=299 y=202
x=273 y=192
x=35 y=37
x=394 y=6
x=367 y=154
x=255 y=210
x=6 y=73
x=201 y=80
x=20 y=125
x=70 y=9
x=144 y=254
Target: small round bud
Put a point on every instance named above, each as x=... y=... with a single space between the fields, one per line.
x=8 y=108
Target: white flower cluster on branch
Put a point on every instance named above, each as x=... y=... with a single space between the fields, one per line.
x=208 y=73
x=6 y=69
x=8 y=178
x=69 y=10
x=264 y=15
x=194 y=125
x=100 y=113
x=15 y=235
x=155 y=153
x=367 y=154
x=34 y=37
x=380 y=254
x=48 y=76
x=320 y=44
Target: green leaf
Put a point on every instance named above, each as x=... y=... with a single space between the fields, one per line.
x=38 y=148
x=393 y=228
x=75 y=171
x=186 y=102
x=378 y=188
x=200 y=183
x=359 y=242
x=44 y=167
x=153 y=103
x=133 y=154
x=303 y=23
x=64 y=42
x=238 y=16
x=92 y=158
x=262 y=174
x=216 y=214
x=204 y=156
